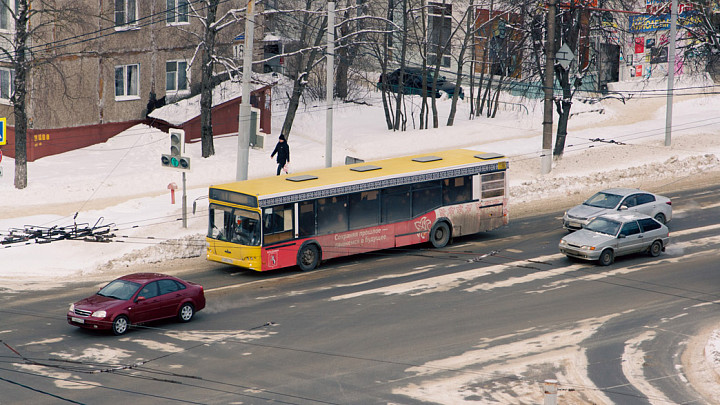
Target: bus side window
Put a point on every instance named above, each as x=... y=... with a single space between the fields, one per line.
x=306 y=219
x=457 y=190
x=332 y=214
x=396 y=204
x=278 y=223
x=426 y=197
x=493 y=185
x=364 y=209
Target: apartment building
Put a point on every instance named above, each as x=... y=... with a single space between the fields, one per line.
x=104 y=72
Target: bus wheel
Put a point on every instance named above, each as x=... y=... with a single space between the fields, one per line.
x=308 y=257
x=440 y=234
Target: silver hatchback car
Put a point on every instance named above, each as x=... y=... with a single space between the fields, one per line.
x=618 y=199
x=616 y=234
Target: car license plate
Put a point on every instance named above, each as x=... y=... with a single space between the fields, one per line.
x=77 y=320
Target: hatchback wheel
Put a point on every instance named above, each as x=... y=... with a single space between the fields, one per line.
x=655 y=248
x=120 y=325
x=606 y=257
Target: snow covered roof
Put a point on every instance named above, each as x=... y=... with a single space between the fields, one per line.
x=183 y=111
x=277 y=38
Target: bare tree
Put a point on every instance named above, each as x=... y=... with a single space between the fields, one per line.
x=313 y=23
x=29 y=26
x=211 y=59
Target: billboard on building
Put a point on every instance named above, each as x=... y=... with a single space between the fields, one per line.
x=648 y=23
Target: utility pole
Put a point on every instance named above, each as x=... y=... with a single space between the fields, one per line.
x=243 y=153
x=551 y=388
x=329 y=87
x=546 y=165
x=671 y=71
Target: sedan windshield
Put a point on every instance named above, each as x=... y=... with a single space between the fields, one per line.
x=603 y=200
x=119 y=289
x=604 y=225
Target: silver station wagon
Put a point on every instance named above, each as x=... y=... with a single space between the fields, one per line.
x=616 y=234
x=618 y=199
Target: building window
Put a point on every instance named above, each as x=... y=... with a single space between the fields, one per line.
x=439 y=29
x=7 y=87
x=127 y=82
x=7 y=9
x=176 y=76
x=125 y=12
x=177 y=11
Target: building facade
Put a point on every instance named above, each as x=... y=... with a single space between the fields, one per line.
x=104 y=72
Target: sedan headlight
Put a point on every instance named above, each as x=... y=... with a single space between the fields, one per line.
x=72 y=308
x=586 y=247
x=563 y=242
x=99 y=314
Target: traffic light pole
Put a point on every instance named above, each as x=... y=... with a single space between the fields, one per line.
x=184 y=203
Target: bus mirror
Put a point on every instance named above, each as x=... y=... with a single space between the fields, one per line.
x=194 y=206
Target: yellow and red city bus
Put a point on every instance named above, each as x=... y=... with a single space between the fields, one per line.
x=303 y=218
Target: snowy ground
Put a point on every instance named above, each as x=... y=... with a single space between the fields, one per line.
x=121 y=182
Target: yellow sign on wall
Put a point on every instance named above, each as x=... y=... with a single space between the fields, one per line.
x=3 y=131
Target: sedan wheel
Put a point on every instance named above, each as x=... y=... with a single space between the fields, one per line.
x=186 y=312
x=660 y=217
x=120 y=325
x=606 y=257
x=655 y=248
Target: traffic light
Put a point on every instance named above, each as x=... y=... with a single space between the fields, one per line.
x=175 y=160
x=177 y=142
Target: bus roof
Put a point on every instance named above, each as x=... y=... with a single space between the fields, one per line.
x=362 y=172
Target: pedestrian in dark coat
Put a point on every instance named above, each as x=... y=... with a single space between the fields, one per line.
x=283 y=153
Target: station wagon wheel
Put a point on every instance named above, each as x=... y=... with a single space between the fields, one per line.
x=606 y=257
x=308 y=257
x=660 y=217
x=186 y=312
x=120 y=325
x=655 y=248
x=440 y=234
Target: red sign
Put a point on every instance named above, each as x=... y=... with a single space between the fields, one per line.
x=638 y=71
x=0 y=155
x=640 y=45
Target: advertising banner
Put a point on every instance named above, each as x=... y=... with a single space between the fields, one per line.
x=649 y=23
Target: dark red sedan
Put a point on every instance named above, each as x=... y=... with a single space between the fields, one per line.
x=137 y=298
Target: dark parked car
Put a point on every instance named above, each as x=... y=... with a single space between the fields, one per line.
x=137 y=298
x=413 y=83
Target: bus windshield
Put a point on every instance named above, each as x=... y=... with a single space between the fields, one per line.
x=234 y=225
